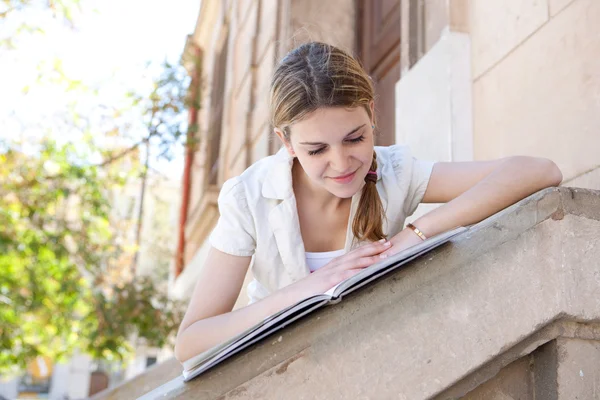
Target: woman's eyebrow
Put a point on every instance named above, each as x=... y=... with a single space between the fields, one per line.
x=348 y=134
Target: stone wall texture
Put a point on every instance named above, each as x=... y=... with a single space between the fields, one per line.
x=536 y=87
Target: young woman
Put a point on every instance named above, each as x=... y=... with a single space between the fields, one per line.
x=329 y=203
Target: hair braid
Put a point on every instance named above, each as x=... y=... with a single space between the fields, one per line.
x=368 y=221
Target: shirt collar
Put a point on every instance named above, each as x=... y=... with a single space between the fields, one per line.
x=278 y=179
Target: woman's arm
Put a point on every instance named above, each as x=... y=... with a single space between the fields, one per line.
x=473 y=191
x=209 y=320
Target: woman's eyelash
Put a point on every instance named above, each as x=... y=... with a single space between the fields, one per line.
x=318 y=151
x=358 y=139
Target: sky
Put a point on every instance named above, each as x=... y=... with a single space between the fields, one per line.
x=109 y=46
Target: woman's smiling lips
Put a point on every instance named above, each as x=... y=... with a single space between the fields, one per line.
x=344 y=179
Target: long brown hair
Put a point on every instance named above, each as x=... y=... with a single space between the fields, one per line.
x=316 y=75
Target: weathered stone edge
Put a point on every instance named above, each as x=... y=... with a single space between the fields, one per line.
x=562 y=327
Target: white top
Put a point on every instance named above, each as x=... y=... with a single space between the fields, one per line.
x=259 y=218
x=314 y=261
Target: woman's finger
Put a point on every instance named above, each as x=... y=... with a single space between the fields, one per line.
x=350 y=259
x=360 y=262
x=369 y=249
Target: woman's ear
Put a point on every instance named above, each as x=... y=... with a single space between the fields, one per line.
x=285 y=141
x=372 y=108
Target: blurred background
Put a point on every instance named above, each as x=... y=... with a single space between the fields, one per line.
x=120 y=121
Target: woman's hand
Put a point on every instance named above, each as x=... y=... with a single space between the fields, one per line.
x=340 y=269
x=403 y=240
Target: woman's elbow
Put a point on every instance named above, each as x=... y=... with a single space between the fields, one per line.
x=552 y=172
x=188 y=344
x=543 y=172
x=178 y=350
x=181 y=351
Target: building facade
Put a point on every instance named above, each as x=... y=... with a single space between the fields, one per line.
x=456 y=80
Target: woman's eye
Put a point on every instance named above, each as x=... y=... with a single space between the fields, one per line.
x=322 y=149
x=358 y=139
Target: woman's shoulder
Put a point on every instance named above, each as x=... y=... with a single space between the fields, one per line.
x=393 y=159
x=250 y=183
x=397 y=166
x=401 y=178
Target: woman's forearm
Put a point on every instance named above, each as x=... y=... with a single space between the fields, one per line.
x=206 y=333
x=515 y=179
x=203 y=332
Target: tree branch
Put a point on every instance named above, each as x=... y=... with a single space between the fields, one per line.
x=116 y=157
x=124 y=152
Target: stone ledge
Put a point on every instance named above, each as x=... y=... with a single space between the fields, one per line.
x=431 y=326
x=561 y=328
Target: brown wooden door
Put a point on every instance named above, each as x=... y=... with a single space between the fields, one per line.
x=378 y=42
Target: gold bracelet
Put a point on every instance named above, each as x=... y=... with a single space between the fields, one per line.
x=417 y=231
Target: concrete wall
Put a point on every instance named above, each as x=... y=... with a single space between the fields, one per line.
x=536 y=86
x=434 y=106
x=562 y=369
x=433 y=97
x=514 y=381
x=433 y=101
x=330 y=21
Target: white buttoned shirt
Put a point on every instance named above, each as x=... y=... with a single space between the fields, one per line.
x=259 y=218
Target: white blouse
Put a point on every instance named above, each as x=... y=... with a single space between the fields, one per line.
x=259 y=218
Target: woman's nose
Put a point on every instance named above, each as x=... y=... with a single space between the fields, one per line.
x=340 y=161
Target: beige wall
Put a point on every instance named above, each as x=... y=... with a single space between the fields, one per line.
x=536 y=87
x=433 y=101
x=332 y=21
x=433 y=97
x=532 y=86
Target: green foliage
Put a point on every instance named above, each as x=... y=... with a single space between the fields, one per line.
x=66 y=278
x=64 y=281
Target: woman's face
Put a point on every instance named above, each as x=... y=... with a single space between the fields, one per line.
x=334 y=146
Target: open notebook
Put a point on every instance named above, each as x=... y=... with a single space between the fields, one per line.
x=200 y=363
